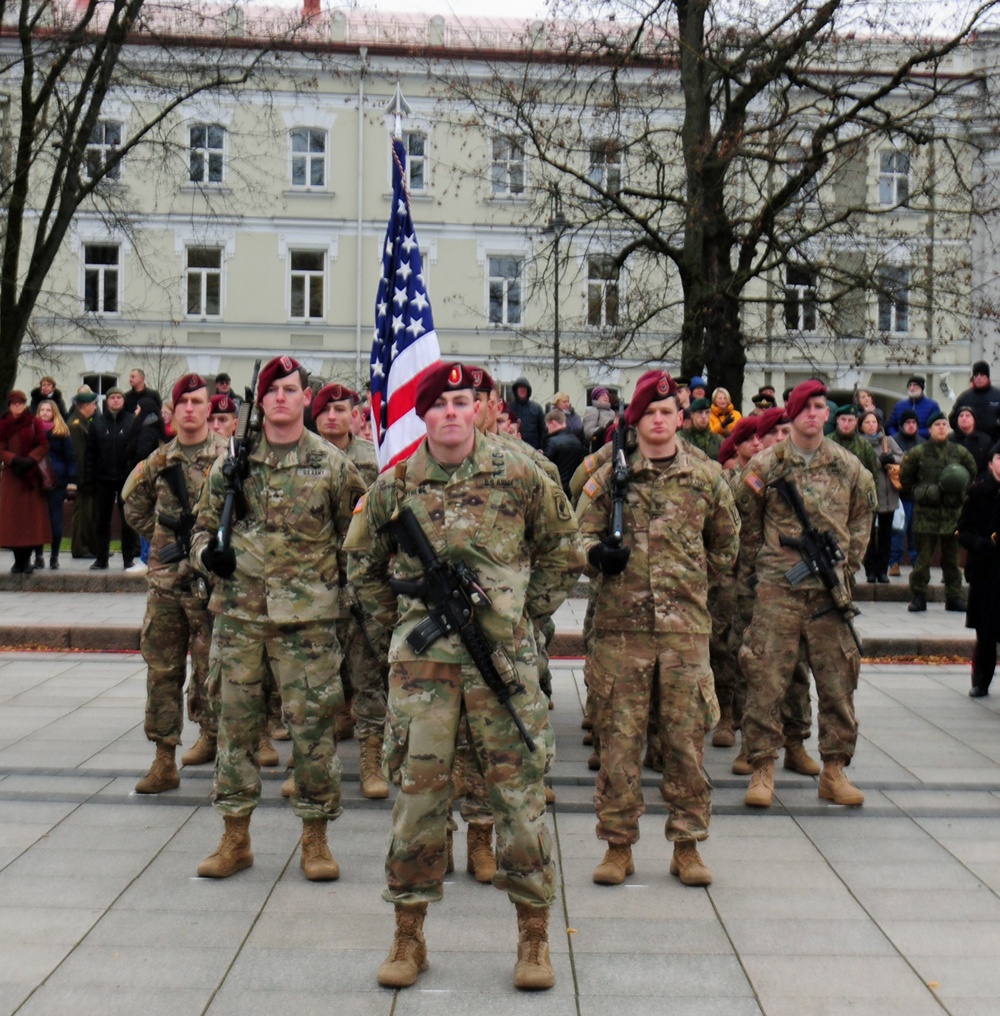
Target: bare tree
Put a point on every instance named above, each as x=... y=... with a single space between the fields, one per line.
x=720 y=155
x=61 y=60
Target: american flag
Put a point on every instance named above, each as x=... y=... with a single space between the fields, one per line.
x=405 y=342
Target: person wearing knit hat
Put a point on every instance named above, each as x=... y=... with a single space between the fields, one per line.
x=276 y=574
x=698 y=387
x=838 y=495
x=983 y=398
x=597 y=417
x=650 y=610
x=917 y=402
x=159 y=492
x=496 y=514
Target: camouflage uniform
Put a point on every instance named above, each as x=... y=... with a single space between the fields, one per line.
x=652 y=626
x=177 y=616
x=856 y=444
x=839 y=496
x=278 y=609
x=921 y=470
x=704 y=440
x=517 y=532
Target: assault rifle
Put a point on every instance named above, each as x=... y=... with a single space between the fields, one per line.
x=236 y=468
x=821 y=553
x=180 y=525
x=451 y=593
x=619 y=483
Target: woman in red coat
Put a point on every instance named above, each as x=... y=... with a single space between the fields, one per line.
x=24 y=514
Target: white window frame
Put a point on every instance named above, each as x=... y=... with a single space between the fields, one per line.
x=894 y=168
x=423 y=160
x=601 y=286
x=508 y=167
x=306 y=278
x=99 y=149
x=894 y=300
x=606 y=168
x=800 y=296
x=504 y=285
x=203 y=276
x=308 y=157
x=97 y=274
x=207 y=155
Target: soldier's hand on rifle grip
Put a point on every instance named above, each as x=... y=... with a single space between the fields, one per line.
x=610 y=560
x=219 y=560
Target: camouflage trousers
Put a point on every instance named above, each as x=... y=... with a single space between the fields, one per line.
x=725 y=669
x=624 y=668
x=174 y=623
x=305 y=663
x=364 y=679
x=425 y=712
x=951 y=573
x=782 y=628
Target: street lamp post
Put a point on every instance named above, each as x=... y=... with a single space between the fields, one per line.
x=556 y=227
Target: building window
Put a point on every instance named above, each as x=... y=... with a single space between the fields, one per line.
x=207 y=143
x=505 y=290
x=416 y=160
x=204 y=281
x=507 y=167
x=100 y=278
x=100 y=383
x=795 y=163
x=800 y=299
x=893 y=178
x=602 y=291
x=308 y=158
x=894 y=300
x=307 y=283
x=105 y=140
x=605 y=170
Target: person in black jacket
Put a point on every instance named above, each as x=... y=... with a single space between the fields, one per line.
x=106 y=469
x=977 y=443
x=47 y=390
x=531 y=414
x=983 y=398
x=137 y=390
x=562 y=448
x=978 y=526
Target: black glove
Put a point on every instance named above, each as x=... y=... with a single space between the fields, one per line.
x=887 y=458
x=21 y=465
x=610 y=560
x=219 y=560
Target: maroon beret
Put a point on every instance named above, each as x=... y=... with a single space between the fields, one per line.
x=481 y=380
x=769 y=419
x=222 y=404
x=280 y=366
x=188 y=383
x=728 y=450
x=333 y=392
x=440 y=378
x=653 y=386
x=746 y=428
x=800 y=395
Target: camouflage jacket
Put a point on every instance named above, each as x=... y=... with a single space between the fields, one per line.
x=515 y=444
x=857 y=445
x=499 y=514
x=148 y=497
x=288 y=557
x=921 y=469
x=683 y=530
x=362 y=453
x=705 y=440
x=838 y=494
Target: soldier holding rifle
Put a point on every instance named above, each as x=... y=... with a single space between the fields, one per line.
x=807 y=508
x=509 y=539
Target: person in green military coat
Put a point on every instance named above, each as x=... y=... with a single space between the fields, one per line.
x=932 y=475
x=699 y=433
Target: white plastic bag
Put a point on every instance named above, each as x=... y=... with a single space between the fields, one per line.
x=899 y=518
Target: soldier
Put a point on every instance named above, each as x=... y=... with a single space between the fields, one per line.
x=274 y=603
x=223 y=417
x=699 y=433
x=839 y=496
x=935 y=475
x=846 y=435
x=159 y=496
x=364 y=678
x=652 y=625
x=497 y=514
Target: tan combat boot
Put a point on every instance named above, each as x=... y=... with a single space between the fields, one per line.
x=799 y=760
x=373 y=783
x=741 y=765
x=724 y=736
x=288 y=787
x=162 y=773
x=233 y=853
x=317 y=861
x=267 y=754
x=533 y=971
x=616 y=865
x=835 y=786
x=203 y=750
x=481 y=860
x=408 y=952
x=688 y=865
x=760 y=793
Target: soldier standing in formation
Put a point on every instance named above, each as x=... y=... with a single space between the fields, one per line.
x=652 y=625
x=159 y=497
x=275 y=600
x=838 y=494
x=497 y=514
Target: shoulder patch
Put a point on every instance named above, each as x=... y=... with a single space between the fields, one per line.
x=754 y=482
x=360 y=506
x=590 y=464
x=592 y=488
